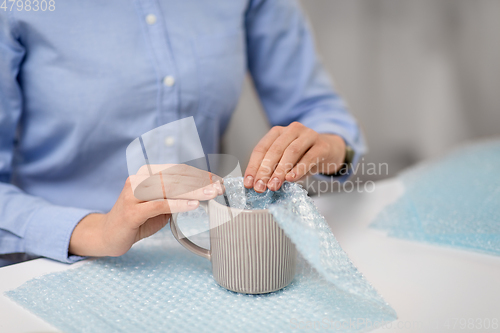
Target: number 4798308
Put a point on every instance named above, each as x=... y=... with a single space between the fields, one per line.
x=28 y=5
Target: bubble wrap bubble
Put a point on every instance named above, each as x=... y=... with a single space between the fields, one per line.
x=160 y=286
x=454 y=201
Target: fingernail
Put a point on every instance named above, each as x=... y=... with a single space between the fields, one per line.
x=260 y=186
x=248 y=181
x=291 y=174
x=218 y=188
x=275 y=182
x=209 y=191
x=193 y=203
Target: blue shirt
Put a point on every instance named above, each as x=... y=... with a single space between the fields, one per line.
x=79 y=83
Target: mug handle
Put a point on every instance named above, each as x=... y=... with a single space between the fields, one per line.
x=184 y=241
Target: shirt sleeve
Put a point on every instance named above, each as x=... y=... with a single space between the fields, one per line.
x=288 y=76
x=28 y=224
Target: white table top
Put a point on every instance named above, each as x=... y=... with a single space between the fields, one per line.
x=430 y=287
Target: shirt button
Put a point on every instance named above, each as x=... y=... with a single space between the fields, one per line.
x=169 y=81
x=150 y=19
x=169 y=141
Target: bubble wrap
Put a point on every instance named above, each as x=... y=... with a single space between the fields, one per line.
x=160 y=286
x=454 y=201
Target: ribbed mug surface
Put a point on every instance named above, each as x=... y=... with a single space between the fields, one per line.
x=250 y=253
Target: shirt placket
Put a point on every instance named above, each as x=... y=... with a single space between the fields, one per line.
x=167 y=77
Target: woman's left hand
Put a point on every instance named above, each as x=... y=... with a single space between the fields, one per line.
x=289 y=153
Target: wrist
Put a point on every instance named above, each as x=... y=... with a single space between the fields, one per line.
x=87 y=237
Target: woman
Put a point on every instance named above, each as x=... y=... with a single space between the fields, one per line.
x=82 y=79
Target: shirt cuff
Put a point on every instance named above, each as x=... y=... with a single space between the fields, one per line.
x=49 y=232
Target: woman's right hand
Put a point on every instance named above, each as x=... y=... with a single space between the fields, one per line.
x=160 y=190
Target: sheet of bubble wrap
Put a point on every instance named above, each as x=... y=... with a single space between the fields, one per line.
x=454 y=201
x=159 y=286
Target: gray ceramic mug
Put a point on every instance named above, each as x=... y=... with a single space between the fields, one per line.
x=249 y=251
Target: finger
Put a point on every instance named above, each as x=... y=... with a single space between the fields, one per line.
x=199 y=177
x=272 y=157
x=206 y=193
x=161 y=186
x=178 y=185
x=190 y=171
x=293 y=153
x=305 y=164
x=258 y=154
x=154 y=208
x=173 y=170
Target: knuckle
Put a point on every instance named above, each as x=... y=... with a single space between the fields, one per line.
x=127 y=191
x=264 y=171
x=251 y=170
x=174 y=180
x=275 y=150
x=296 y=125
x=312 y=133
x=168 y=205
x=313 y=162
x=160 y=206
x=279 y=171
x=324 y=146
x=289 y=166
x=128 y=182
x=252 y=167
x=293 y=148
x=276 y=129
x=259 y=149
